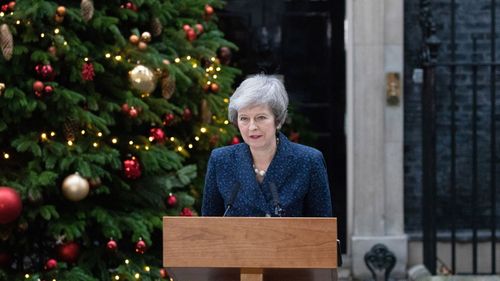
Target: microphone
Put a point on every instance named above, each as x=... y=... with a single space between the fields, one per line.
x=278 y=211
x=234 y=192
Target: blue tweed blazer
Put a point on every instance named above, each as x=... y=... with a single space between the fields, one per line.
x=298 y=172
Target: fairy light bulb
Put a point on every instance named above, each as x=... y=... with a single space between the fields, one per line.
x=65 y=43
x=114 y=140
x=195 y=65
x=70 y=143
x=226 y=122
x=43 y=136
x=203 y=130
x=177 y=60
x=26 y=276
x=42 y=35
x=215 y=76
x=197 y=138
x=188 y=57
x=226 y=100
x=117 y=277
x=107 y=55
x=137 y=276
x=127 y=261
x=212 y=58
x=172 y=138
x=179 y=148
x=217 y=69
x=82 y=132
x=6 y=156
x=118 y=58
x=52 y=134
x=99 y=134
x=137 y=147
x=56 y=31
x=131 y=142
x=146 y=147
x=147 y=268
x=151 y=138
x=18 y=22
x=190 y=145
x=95 y=144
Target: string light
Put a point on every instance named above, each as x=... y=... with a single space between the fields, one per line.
x=226 y=100
x=218 y=68
x=209 y=82
x=131 y=142
x=99 y=134
x=137 y=276
x=56 y=31
x=6 y=155
x=137 y=147
x=52 y=134
x=195 y=65
x=203 y=130
x=117 y=277
x=177 y=60
x=226 y=122
x=179 y=148
x=18 y=22
x=197 y=138
x=172 y=139
x=2 y=14
x=70 y=143
x=147 y=269
x=95 y=144
x=43 y=136
x=114 y=140
x=42 y=35
x=188 y=57
x=108 y=55
x=151 y=138
x=65 y=43
x=212 y=58
x=146 y=147
x=190 y=145
x=127 y=261
x=215 y=76
x=118 y=58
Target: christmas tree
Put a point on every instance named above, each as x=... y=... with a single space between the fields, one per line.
x=108 y=112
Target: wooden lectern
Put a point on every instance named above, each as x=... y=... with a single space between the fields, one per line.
x=250 y=248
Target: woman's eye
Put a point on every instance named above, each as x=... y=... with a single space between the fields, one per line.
x=243 y=119
x=261 y=117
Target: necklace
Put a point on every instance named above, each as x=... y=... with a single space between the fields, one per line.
x=259 y=172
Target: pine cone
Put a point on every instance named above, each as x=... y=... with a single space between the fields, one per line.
x=206 y=114
x=87 y=7
x=6 y=41
x=70 y=129
x=156 y=27
x=167 y=86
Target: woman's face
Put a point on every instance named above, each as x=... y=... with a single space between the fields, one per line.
x=257 y=126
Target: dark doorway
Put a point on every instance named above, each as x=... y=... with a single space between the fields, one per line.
x=302 y=41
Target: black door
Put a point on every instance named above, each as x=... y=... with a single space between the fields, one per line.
x=304 y=42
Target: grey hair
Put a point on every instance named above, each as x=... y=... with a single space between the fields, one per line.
x=260 y=90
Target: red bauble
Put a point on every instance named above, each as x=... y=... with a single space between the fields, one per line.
x=50 y=264
x=209 y=10
x=5 y=8
x=48 y=89
x=199 y=28
x=125 y=108
x=68 y=252
x=191 y=35
x=157 y=134
x=38 y=86
x=187 y=114
x=88 y=72
x=235 y=140
x=10 y=204
x=186 y=212
x=45 y=71
x=214 y=87
x=131 y=6
x=186 y=27
x=168 y=119
x=112 y=245
x=171 y=200
x=140 y=246
x=133 y=112
x=163 y=273
x=132 y=168
x=12 y=4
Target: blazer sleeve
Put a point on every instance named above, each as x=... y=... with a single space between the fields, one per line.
x=318 y=200
x=213 y=203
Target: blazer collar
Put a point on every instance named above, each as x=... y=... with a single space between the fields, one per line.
x=278 y=171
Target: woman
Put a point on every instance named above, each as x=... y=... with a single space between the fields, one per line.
x=267 y=175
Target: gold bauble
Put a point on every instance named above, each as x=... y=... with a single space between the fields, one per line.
x=75 y=188
x=142 y=79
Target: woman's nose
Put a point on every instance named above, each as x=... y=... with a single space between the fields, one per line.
x=253 y=125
